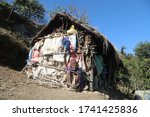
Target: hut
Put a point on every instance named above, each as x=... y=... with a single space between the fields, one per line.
x=65 y=39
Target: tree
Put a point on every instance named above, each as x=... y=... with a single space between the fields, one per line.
x=142 y=50
x=31 y=9
x=123 y=48
x=137 y=67
x=72 y=10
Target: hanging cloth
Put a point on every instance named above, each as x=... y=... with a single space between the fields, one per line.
x=99 y=64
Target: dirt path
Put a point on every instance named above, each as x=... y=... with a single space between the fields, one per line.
x=14 y=85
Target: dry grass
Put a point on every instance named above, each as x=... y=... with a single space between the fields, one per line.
x=13 y=51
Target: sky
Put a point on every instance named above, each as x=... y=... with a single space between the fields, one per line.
x=123 y=22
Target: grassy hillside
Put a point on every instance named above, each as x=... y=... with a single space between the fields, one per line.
x=13 y=51
x=15 y=35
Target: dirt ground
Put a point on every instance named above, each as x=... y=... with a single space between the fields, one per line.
x=16 y=86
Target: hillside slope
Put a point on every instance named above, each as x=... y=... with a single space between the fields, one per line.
x=15 y=85
x=15 y=35
x=13 y=51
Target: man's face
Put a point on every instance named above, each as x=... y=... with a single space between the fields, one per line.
x=74 y=66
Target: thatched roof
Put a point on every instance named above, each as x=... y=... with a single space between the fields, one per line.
x=65 y=21
x=105 y=48
x=60 y=18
